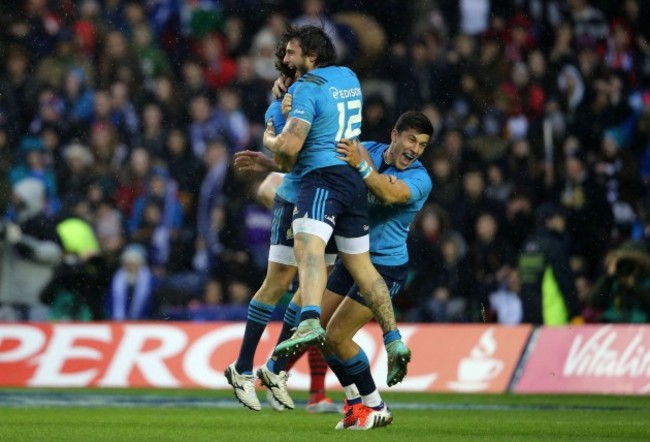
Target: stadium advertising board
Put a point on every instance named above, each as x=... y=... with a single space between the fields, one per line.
x=612 y=359
x=459 y=358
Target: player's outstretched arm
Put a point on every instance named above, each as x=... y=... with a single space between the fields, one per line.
x=255 y=162
x=387 y=188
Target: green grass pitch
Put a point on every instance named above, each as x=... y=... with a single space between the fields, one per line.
x=197 y=415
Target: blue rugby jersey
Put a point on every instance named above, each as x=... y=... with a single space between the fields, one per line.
x=389 y=224
x=330 y=100
x=288 y=190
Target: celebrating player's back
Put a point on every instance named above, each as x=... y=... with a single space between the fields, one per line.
x=328 y=99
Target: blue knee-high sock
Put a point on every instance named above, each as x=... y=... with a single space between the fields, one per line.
x=310 y=312
x=342 y=375
x=358 y=369
x=291 y=319
x=258 y=317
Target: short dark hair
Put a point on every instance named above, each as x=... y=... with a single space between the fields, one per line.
x=313 y=41
x=414 y=120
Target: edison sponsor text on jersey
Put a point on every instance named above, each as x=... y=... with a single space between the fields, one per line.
x=345 y=93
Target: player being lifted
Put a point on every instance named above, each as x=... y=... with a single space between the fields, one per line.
x=280 y=273
x=332 y=198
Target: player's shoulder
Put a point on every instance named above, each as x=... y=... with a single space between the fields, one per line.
x=374 y=146
x=276 y=103
x=328 y=74
x=311 y=78
x=417 y=169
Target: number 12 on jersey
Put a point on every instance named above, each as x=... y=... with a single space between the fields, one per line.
x=353 y=116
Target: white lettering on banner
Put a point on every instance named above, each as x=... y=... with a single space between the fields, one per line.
x=63 y=347
x=30 y=341
x=151 y=363
x=597 y=357
x=196 y=363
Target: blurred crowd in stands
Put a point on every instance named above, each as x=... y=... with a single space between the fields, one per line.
x=119 y=120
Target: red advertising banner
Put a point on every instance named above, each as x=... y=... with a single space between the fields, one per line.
x=461 y=358
x=588 y=359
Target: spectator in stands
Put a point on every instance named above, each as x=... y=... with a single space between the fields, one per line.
x=184 y=168
x=519 y=221
x=229 y=106
x=131 y=181
x=548 y=291
x=376 y=117
x=116 y=60
x=157 y=218
x=448 y=295
x=33 y=165
x=109 y=153
x=491 y=257
x=498 y=186
x=219 y=68
x=622 y=294
x=153 y=135
x=505 y=301
x=618 y=172
x=51 y=110
x=51 y=70
x=590 y=27
x=87 y=27
x=473 y=201
x=19 y=92
x=314 y=13
x=29 y=253
x=108 y=222
x=76 y=172
x=523 y=96
x=424 y=248
x=153 y=61
x=253 y=94
x=131 y=296
x=584 y=201
x=76 y=291
x=211 y=215
x=171 y=99
x=193 y=80
x=207 y=124
x=446 y=186
x=123 y=114
x=264 y=44
x=78 y=101
x=418 y=77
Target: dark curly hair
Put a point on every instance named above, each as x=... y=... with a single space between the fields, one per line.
x=313 y=41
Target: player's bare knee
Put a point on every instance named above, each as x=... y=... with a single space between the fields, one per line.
x=274 y=287
x=335 y=336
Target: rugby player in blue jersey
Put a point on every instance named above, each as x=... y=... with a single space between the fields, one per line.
x=280 y=273
x=332 y=198
x=397 y=193
x=399 y=186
